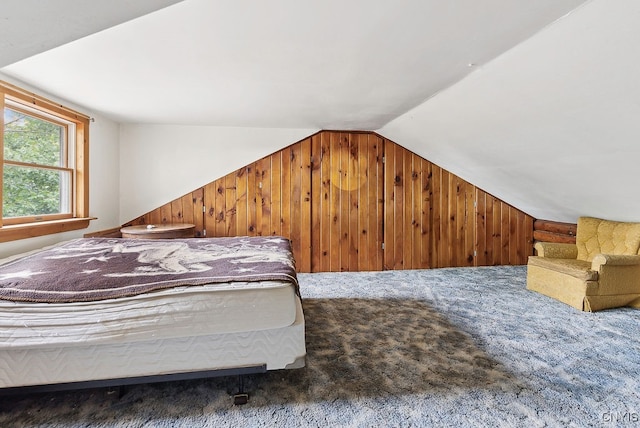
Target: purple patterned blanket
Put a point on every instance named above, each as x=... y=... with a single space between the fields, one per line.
x=104 y=268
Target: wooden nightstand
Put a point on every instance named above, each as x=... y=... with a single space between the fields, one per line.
x=159 y=231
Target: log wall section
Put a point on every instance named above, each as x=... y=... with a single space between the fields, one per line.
x=355 y=201
x=553 y=231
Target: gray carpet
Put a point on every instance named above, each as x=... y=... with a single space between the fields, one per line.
x=444 y=347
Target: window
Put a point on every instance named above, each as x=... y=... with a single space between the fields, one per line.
x=44 y=166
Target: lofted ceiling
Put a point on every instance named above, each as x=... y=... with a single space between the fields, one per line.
x=551 y=126
x=327 y=64
x=535 y=102
x=28 y=27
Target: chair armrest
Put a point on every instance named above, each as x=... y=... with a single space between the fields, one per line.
x=614 y=260
x=556 y=250
x=617 y=275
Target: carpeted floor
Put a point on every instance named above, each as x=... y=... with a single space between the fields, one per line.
x=442 y=347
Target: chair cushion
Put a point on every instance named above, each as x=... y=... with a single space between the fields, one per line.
x=576 y=268
x=596 y=236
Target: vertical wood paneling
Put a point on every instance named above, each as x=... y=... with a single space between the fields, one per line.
x=251 y=200
x=276 y=194
x=337 y=201
x=389 y=206
x=214 y=213
x=305 y=205
x=356 y=179
x=349 y=192
x=165 y=213
x=295 y=213
x=286 y=197
x=471 y=230
x=480 y=247
x=399 y=206
x=395 y=206
x=466 y=226
x=416 y=212
x=187 y=208
x=412 y=179
x=528 y=238
x=230 y=198
x=376 y=201
x=436 y=222
x=459 y=187
x=343 y=172
x=497 y=230
x=504 y=235
x=241 y=204
x=316 y=196
x=334 y=203
x=427 y=254
x=367 y=201
x=364 y=247
x=195 y=216
x=407 y=208
x=216 y=195
x=322 y=206
x=447 y=238
x=513 y=235
x=478 y=214
x=176 y=211
x=420 y=209
x=265 y=201
x=260 y=190
x=155 y=217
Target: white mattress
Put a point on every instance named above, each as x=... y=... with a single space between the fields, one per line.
x=181 y=311
x=176 y=330
x=277 y=348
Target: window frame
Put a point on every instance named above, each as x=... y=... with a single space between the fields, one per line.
x=31 y=226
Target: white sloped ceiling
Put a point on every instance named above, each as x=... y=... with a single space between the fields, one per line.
x=535 y=102
x=29 y=27
x=328 y=64
x=551 y=126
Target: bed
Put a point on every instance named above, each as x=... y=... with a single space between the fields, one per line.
x=108 y=311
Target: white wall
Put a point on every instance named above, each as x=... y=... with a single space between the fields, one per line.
x=159 y=163
x=104 y=180
x=136 y=168
x=551 y=126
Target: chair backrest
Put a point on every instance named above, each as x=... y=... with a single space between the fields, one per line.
x=598 y=236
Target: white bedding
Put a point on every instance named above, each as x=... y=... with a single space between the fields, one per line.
x=174 y=312
x=278 y=348
x=173 y=330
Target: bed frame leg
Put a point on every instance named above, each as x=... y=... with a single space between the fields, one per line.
x=241 y=397
x=119 y=390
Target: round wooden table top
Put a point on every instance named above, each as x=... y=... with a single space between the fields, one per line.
x=159 y=231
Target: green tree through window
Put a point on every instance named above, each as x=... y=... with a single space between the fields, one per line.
x=44 y=170
x=31 y=145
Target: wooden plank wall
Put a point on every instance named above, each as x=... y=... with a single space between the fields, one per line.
x=341 y=196
x=186 y=209
x=347 y=193
x=433 y=219
x=504 y=233
x=554 y=231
